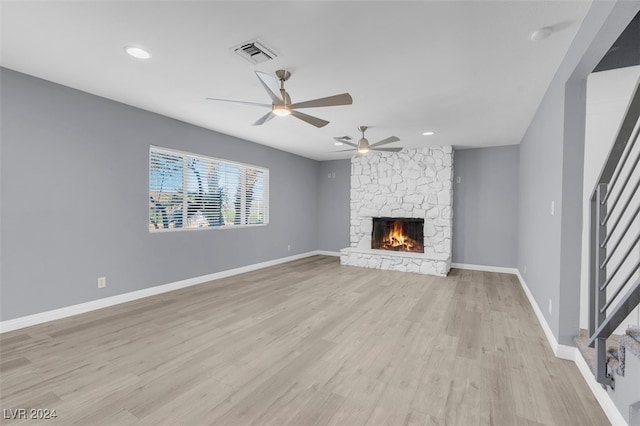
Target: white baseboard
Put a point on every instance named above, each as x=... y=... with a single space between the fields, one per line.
x=565 y=352
x=328 y=253
x=572 y=353
x=485 y=268
x=560 y=351
x=29 y=320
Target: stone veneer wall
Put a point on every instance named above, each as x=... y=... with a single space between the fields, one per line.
x=413 y=183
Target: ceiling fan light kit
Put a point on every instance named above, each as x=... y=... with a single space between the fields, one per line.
x=281 y=110
x=281 y=104
x=362 y=149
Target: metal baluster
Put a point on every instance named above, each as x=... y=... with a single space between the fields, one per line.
x=601 y=276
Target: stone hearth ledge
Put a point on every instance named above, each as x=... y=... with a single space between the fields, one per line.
x=421 y=263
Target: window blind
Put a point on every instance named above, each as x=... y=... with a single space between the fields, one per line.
x=193 y=191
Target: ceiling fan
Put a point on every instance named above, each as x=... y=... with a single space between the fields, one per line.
x=363 y=144
x=281 y=101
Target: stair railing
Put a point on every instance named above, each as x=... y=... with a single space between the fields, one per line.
x=619 y=173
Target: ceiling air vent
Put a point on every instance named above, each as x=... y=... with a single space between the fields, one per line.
x=255 y=52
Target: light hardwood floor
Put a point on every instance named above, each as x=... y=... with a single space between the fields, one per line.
x=306 y=342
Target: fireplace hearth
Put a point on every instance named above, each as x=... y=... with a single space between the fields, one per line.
x=398 y=234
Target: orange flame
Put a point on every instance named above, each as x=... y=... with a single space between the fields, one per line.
x=396 y=239
x=396 y=236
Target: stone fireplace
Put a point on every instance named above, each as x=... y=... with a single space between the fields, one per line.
x=414 y=185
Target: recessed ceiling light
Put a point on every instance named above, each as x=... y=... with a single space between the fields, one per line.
x=541 y=34
x=338 y=143
x=429 y=133
x=137 y=52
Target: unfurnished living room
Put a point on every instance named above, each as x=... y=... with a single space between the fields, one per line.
x=320 y=212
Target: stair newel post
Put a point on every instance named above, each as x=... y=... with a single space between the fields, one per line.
x=593 y=270
x=601 y=292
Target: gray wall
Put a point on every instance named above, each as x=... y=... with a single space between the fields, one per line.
x=485 y=206
x=334 y=187
x=74 y=183
x=551 y=168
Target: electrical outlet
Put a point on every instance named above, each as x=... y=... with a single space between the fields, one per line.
x=289 y=247
x=550 y=306
x=458 y=179
x=102 y=282
x=333 y=175
x=553 y=208
x=525 y=269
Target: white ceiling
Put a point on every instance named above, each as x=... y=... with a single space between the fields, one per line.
x=466 y=70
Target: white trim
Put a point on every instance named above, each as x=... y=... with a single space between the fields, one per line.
x=485 y=268
x=560 y=351
x=543 y=322
x=608 y=406
x=328 y=253
x=565 y=352
x=29 y=320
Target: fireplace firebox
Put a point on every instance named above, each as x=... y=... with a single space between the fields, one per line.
x=398 y=234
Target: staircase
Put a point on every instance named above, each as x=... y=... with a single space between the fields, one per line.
x=614 y=267
x=616 y=355
x=620 y=358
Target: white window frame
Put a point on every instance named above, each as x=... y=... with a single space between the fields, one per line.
x=243 y=168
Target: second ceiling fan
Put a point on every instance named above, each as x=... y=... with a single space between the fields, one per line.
x=281 y=101
x=363 y=144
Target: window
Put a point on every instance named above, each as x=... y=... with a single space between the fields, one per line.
x=192 y=191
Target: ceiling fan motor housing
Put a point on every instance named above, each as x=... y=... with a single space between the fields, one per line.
x=363 y=146
x=283 y=75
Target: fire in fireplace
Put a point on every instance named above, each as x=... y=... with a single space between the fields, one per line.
x=398 y=234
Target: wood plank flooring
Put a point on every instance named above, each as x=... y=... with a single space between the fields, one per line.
x=308 y=342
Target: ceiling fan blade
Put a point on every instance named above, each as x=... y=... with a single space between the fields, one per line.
x=239 y=102
x=270 y=84
x=386 y=149
x=345 y=150
x=390 y=139
x=342 y=99
x=268 y=116
x=347 y=143
x=315 y=121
